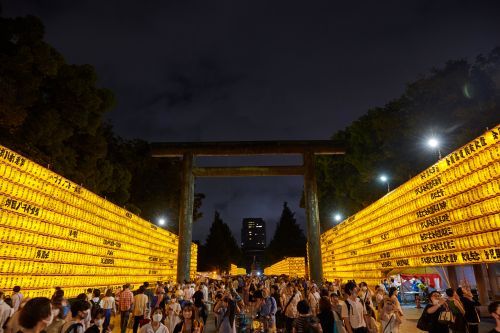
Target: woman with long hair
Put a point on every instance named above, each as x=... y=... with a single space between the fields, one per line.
x=188 y=323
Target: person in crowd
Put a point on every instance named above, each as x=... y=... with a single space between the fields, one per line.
x=326 y=315
x=313 y=298
x=98 y=319
x=290 y=298
x=365 y=295
x=17 y=298
x=125 y=302
x=159 y=294
x=390 y=317
x=173 y=311
x=5 y=311
x=13 y=325
x=432 y=310
x=109 y=306
x=200 y=304
x=140 y=307
x=188 y=322
x=336 y=303
x=354 y=314
x=266 y=309
x=36 y=315
x=80 y=309
x=86 y=321
x=305 y=322
x=379 y=298
x=90 y=294
x=458 y=311
x=494 y=310
x=471 y=315
x=155 y=325
x=58 y=320
x=226 y=311
x=393 y=295
x=148 y=292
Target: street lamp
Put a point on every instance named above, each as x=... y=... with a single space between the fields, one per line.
x=161 y=221
x=434 y=144
x=385 y=179
x=337 y=217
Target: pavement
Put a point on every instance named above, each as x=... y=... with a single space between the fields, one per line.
x=409 y=325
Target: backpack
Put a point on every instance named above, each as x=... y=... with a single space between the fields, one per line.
x=96 y=306
x=74 y=328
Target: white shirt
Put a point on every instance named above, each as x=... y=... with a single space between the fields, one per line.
x=204 y=290
x=108 y=303
x=5 y=313
x=16 y=301
x=356 y=313
x=148 y=328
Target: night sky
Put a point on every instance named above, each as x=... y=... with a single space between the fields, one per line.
x=257 y=70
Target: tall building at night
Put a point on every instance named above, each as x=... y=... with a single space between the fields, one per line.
x=253 y=243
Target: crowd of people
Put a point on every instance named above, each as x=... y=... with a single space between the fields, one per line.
x=258 y=304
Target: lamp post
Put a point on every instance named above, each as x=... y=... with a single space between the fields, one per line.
x=385 y=179
x=337 y=217
x=435 y=144
x=161 y=221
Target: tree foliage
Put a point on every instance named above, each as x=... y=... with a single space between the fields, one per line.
x=288 y=239
x=456 y=103
x=53 y=113
x=220 y=249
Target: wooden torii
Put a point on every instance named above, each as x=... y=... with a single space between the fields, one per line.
x=189 y=150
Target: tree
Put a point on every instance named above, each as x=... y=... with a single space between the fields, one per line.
x=220 y=248
x=53 y=112
x=288 y=239
x=457 y=102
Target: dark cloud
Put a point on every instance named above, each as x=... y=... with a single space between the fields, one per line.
x=257 y=70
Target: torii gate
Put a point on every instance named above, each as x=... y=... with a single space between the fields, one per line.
x=189 y=150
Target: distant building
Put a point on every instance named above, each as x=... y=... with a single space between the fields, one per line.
x=253 y=243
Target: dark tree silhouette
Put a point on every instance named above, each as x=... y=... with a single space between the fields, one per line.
x=288 y=239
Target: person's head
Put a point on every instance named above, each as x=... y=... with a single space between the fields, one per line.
x=392 y=280
x=324 y=305
x=460 y=292
x=435 y=297
x=141 y=290
x=57 y=307
x=274 y=289
x=188 y=311
x=89 y=290
x=80 y=309
x=494 y=310
x=303 y=307
x=334 y=299
x=82 y=296
x=16 y=289
x=96 y=293
x=2 y=296
x=450 y=292
x=393 y=291
x=363 y=286
x=109 y=293
x=351 y=289
x=146 y=285
x=157 y=315
x=36 y=314
x=98 y=317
